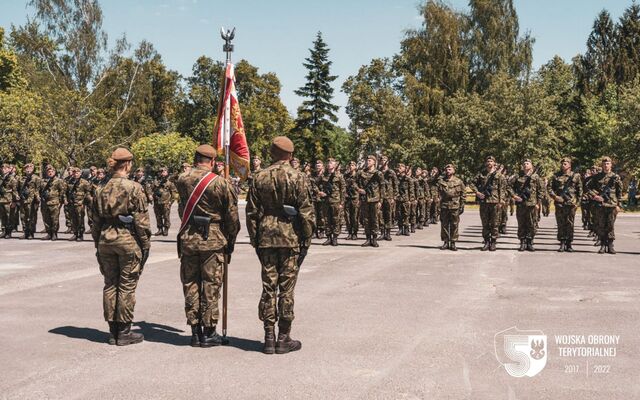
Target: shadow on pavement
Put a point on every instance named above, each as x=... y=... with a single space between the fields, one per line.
x=90 y=334
x=162 y=333
x=244 y=344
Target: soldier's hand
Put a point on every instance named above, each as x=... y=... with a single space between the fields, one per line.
x=598 y=198
x=322 y=194
x=362 y=191
x=559 y=199
x=480 y=195
x=517 y=198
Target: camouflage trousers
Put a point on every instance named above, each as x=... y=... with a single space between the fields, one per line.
x=279 y=277
x=120 y=266
x=404 y=213
x=320 y=220
x=51 y=217
x=605 y=218
x=352 y=211
x=6 y=216
x=333 y=219
x=435 y=209
x=490 y=215
x=413 y=212
x=504 y=216
x=449 y=221
x=370 y=220
x=15 y=217
x=29 y=215
x=565 y=219
x=162 y=212
x=584 y=208
x=421 y=211
x=427 y=209
x=201 y=276
x=387 y=213
x=68 y=220
x=77 y=218
x=527 y=217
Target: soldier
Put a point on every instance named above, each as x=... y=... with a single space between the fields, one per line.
x=389 y=197
x=451 y=195
x=207 y=235
x=605 y=190
x=490 y=189
x=219 y=169
x=427 y=198
x=9 y=200
x=434 y=177
x=413 y=200
x=584 y=201
x=186 y=169
x=15 y=216
x=507 y=203
x=29 y=201
x=52 y=191
x=527 y=191
x=420 y=198
x=403 y=204
x=295 y=164
x=256 y=163
x=280 y=221
x=101 y=178
x=565 y=188
x=68 y=219
x=545 y=206
x=121 y=234
x=370 y=183
x=352 y=201
x=317 y=200
x=331 y=188
x=78 y=192
x=164 y=194
x=141 y=179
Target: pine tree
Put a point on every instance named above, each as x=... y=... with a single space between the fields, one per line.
x=316 y=115
x=599 y=60
x=628 y=45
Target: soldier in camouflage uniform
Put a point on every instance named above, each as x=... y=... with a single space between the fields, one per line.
x=434 y=177
x=403 y=203
x=451 y=195
x=141 y=179
x=427 y=197
x=295 y=164
x=29 y=200
x=389 y=197
x=164 y=194
x=370 y=185
x=9 y=200
x=585 y=201
x=68 y=219
x=15 y=216
x=527 y=190
x=316 y=177
x=280 y=239
x=420 y=198
x=186 y=169
x=52 y=190
x=490 y=189
x=204 y=241
x=77 y=194
x=413 y=203
x=352 y=201
x=565 y=189
x=506 y=203
x=332 y=192
x=605 y=190
x=121 y=234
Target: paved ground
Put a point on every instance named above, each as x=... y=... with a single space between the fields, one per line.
x=406 y=321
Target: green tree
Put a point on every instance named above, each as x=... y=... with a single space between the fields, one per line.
x=164 y=149
x=599 y=60
x=10 y=74
x=628 y=45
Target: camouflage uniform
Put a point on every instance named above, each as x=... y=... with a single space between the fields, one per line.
x=427 y=199
x=493 y=186
x=403 y=204
x=413 y=201
x=371 y=182
x=529 y=186
x=318 y=207
x=29 y=203
x=164 y=194
x=389 y=201
x=434 y=212
x=451 y=195
x=332 y=184
x=202 y=247
x=351 y=204
x=77 y=193
x=9 y=199
x=52 y=192
x=420 y=201
x=609 y=187
x=68 y=219
x=569 y=188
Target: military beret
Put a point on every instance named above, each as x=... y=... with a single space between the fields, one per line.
x=206 y=150
x=526 y=160
x=122 y=154
x=372 y=157
x=283 y=143
x=606 y=159
x=49 y=167
x=27 y=165
x=566 y=159
x=450 y=165
x=490 y=158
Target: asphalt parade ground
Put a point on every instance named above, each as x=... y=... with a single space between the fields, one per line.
x=404 y=321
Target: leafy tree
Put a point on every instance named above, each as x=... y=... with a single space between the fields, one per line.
x=164 y=149
x=628 y=45
x=599 y=60
x=10 y=73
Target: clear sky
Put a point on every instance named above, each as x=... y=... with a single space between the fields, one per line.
x=275 y=35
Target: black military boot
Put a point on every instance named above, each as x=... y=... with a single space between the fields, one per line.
x=285 y=344
x=355 y=235
x=367 y=243
x=160 y=232
x=26 y=234
x=492 y=245
x=562 y=247
x=125 y=337
x=405 y=231
x=165 y=232
x=610 y=248
x=210 y=337
x=530 y=245
x=400 y=231
x=374 y=241
x=269 y=340
x=7 y=234
x=387 y=235
x=445 y=246
x=113 y=332
x=48 y=237
x=328 y=241
x=567 y=246
x=426 y=223
x=487 y=244
x=523 y=245
x=419 y=226
x=54 y=236
x=603 y=247
x=334 y=240
x=80 y=237
x=196 y=335
x=413 y=228
x=452 y=246
x=73 y=238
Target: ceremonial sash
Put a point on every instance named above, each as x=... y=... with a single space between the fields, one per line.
x=194 y=198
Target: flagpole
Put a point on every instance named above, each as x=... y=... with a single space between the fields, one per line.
x=228 y=49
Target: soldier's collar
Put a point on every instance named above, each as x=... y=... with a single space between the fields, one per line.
x=119 y=174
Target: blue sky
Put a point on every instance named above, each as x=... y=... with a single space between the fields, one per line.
x=276 y=35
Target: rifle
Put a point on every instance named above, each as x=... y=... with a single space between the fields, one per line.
x=24 y=190
x=487 y=189
x=292 y=213
x=566 y=194
x=4 y=180
x=127 y=222
x=605 y=192
x=525 y=192
x=44 y=193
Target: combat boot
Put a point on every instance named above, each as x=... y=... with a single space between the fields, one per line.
x=387 y=235
x=355 y=235
x=328 y=241
x=413 y=228
x=159 y=232
x=80 y=237
x=452 y=246
x=367 y=242
x=487 y=244
x=125 y=337
x=374 y=241
x=530 y=245
x=285 y=344
x=610 y=248
x=334 y=240
x=54 y=236
x=113 y=332
x=492 y=245
x=603 y=247
x=269 y=340
x=445 y=246
x=165 y=231
x=562 y=247
x=210 y=337
x=196 y=335
x=419 y=226
x=73 y=238
x=7 y=234
x=523 y=245
x=48 y=237
x=426 y=223
x=567 y=247
x=400 y=231
x=26 y=235
x=405 y=231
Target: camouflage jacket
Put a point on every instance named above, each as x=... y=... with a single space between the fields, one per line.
x=146 y=188
x=567 y=186
x=372 y=183
x=28 y=189
x=405 y=189
x=418 y=188
x=529 y=186
x=52 y=191
x=351 y=186
x=78 y=191
x=451 y=192
x=333 y=186
x=8 y=189
x=163 y=191
x=268 y=225
x=121 y=196
x=390 y=184
x=219 y=202
x=433 y=186
x=426 y=188
x=316 y=182
x=492 y=185
x=609 y=186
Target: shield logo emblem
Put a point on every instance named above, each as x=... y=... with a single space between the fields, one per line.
x=522 y=353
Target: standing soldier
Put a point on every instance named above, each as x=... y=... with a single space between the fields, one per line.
x=490 y=189
x=332 y=193
x=280 y=222
x=585 y=201
x=527 y=192
x=164 y=194
x=52 y=191
x=546 y=200
x=9 y=200
x=427 y=197
x=434 y=177
x=68 y=219
x=121 y=234
x=370 y=182
x=389 y=200
x=29 y=200
x=352 y=201
x=506 y=203
x=420 y=198
x=77 y=194
x=317 y=200
x=403 y=204
x=207 y=235
x=605 y=190
x=451 y=194
x=295 y=164
x=256 y=164
x=565 y=188
x=141 y=178
x=413 y=200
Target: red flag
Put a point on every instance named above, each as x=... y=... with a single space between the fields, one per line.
x=229 y=129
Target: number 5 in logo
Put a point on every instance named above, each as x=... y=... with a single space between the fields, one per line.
x=521 y=352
